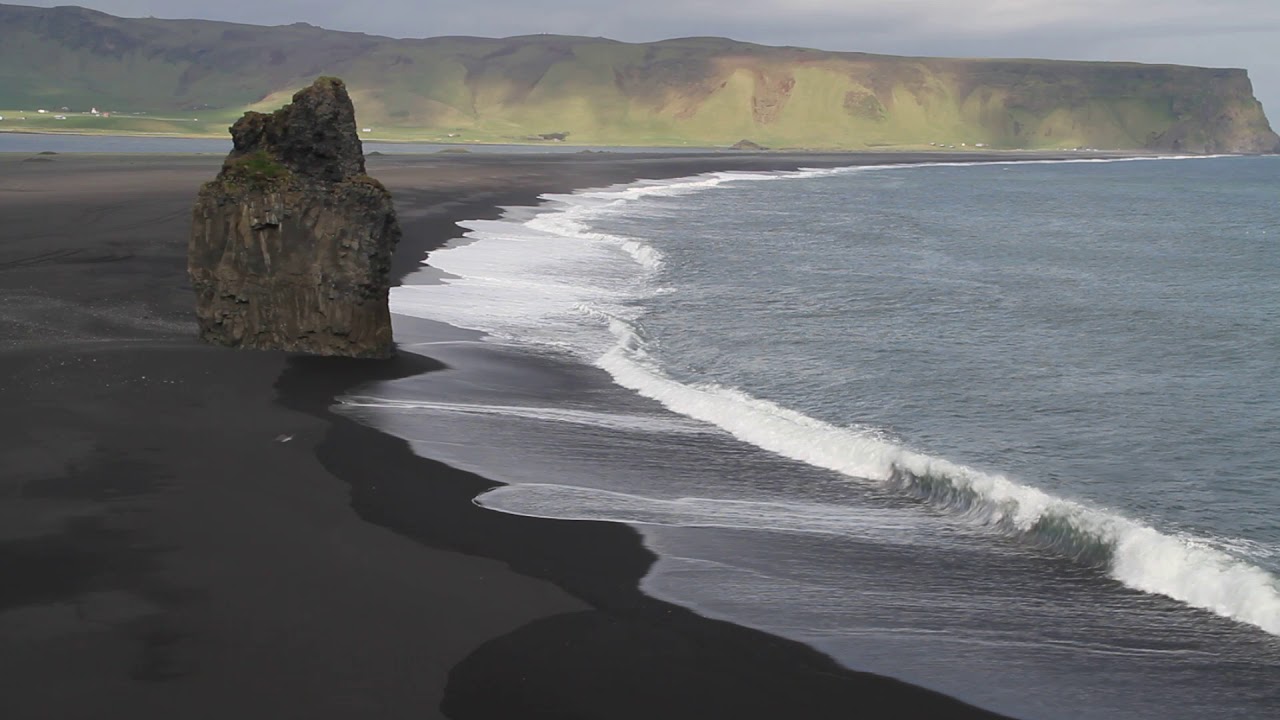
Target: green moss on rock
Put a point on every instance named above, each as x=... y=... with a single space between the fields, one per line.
x=257 y=170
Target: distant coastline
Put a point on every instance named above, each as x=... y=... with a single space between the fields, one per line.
x=591 y=91
x=559 y=147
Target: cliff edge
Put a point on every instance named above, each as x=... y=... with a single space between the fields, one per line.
x=291 y=243
x=1222 y=117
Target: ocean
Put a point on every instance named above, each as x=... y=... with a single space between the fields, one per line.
x=1010 y=431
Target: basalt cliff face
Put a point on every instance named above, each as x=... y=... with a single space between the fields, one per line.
x=291 y=244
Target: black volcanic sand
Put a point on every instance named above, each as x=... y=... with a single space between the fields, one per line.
x=188 y=532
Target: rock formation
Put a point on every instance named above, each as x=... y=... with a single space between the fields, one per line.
x=291 y=243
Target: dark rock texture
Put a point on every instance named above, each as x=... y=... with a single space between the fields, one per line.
x=291 y=244
x=1223 y=118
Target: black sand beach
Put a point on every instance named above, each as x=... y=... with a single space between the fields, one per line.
x=187 y=531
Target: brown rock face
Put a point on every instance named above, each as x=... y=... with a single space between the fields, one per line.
x=291 y=244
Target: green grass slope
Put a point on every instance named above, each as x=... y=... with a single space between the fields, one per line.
x=194 y=77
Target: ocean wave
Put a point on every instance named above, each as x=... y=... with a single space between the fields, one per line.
x=1195 y=571
x=572 y=416
x=568 y=502
x=1137 y=555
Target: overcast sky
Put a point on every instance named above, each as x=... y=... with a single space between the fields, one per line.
x=1217 y=33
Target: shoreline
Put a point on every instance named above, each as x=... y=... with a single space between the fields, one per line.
x=696 y=150
x=799 y=679
x=181 y=514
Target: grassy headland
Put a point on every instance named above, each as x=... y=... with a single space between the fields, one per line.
x=192 y=77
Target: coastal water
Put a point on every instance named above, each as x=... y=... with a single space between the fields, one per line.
x=22 y=142
x=1010 y=431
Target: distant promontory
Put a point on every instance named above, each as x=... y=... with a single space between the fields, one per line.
x=194 y=76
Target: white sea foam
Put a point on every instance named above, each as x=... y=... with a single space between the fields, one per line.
x=617 y=421
x=1139 y=556
x=580 y=503
x=553 y=280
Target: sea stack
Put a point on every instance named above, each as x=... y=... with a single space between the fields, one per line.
x=291 y=243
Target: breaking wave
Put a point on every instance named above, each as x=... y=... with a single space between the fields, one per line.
x=1187 y=569
x=1195 y=571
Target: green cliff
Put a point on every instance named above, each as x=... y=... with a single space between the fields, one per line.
x=699 y=91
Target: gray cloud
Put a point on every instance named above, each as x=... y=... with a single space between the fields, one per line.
x=1220 y=33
